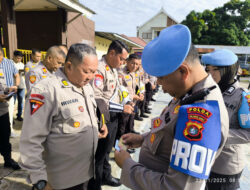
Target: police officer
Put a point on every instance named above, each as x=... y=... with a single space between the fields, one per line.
x=55 y=57
x=178 y=152
x=227 y=169
x=35 y=60
x=141 y=89
x=106 y=88
x=128 y=78
x=60 y=130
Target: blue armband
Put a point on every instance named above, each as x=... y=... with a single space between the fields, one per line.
x=243 y=113
x=197 y=138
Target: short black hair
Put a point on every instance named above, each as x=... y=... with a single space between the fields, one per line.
x=133 y=56
x=118 y=46
x=78 y=51
x=192 y=54
x=34 y=51
x=18 y=53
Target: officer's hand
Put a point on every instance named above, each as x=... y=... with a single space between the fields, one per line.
x=120 y=157
x=132 y=140
x=153 y=86
x=128 y=109
x=47 y=187
x=104 y=132
x=13 y=89
x=2 y=98
x=136 y=97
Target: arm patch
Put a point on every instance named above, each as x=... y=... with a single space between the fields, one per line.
x=243 y=113
x=197 y=138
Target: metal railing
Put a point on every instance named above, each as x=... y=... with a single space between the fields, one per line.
x=4 y=51
x=26 y=54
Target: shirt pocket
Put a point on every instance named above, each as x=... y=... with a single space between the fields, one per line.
x=75 y=119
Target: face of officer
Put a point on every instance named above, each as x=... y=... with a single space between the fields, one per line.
x=215 y=72
x=82 y=73
x=117 y=59
x=133 y=64
x=179 y=82
x=53 y=62
x=36 y=57
x=17 y=59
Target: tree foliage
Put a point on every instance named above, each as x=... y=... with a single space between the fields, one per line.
x=227 y=25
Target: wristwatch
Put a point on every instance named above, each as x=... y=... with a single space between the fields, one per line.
x=40 y=185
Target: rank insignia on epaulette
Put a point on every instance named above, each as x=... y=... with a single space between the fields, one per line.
x=176 y=109
x=44 y=76
x=65 y=83
x=157 y=123
x=44 y=70
x=127 y=77
x=107 y=68
x=27 y=69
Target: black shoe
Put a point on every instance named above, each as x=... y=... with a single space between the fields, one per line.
x=152 y=99
x=131 y=150
x=12 y=164
x=138 y=118
x=114 y=182
x=19 y=118
x=143 y=115
x=147 y=111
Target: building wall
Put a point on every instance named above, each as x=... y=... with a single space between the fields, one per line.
x=159 y=21
x=81 y=30
x=38 y=29
x=101 y=45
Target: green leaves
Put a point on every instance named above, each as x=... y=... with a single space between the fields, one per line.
x=227 y=25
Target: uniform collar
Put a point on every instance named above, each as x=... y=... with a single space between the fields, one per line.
x=231 y=89
x=64 y=81
x=205 y=83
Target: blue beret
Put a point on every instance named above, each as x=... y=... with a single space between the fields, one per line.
x=222 y=57
x=165 y=54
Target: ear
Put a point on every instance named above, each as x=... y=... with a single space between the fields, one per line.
x=112 y=53
x=68 y=65
x=184 y=71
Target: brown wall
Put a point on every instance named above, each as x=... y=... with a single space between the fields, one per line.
x=81 y=29
x=170 y=22
x=42 y=29
x=38 y=29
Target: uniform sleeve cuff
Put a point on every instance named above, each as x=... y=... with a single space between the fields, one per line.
x=35 y=177
x=125 y=175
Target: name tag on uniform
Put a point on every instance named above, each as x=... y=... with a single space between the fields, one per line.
x=197 y=138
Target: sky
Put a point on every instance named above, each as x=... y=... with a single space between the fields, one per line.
x=123 y=16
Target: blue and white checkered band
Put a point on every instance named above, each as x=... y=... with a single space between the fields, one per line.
x=197 y=138
x=244 y=111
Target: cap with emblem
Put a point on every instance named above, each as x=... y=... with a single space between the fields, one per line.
x=165 y=54
x=222 y=57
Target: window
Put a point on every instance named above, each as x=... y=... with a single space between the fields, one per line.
x=147 y=35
